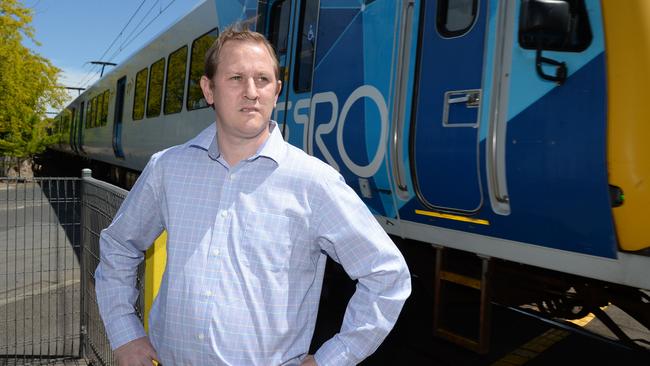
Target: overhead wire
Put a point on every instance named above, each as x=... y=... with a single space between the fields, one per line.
x=121 y=47
x=130 y=38
x=127 y=42
x=86 y=79
x=123 y=28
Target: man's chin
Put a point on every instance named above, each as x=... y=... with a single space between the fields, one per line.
x=255 y=130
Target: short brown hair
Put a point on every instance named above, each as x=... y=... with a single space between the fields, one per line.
x=236 y=32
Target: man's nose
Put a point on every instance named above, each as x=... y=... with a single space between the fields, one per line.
x=250 y=92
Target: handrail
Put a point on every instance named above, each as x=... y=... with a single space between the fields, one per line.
x=400 y=105
x=495 y=141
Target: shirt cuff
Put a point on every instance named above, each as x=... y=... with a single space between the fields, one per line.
x=124 y=329
x=334 y=353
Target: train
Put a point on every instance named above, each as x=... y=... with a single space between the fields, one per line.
x=510 y=132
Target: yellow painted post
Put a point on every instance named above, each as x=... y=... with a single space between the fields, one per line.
x=154 y=267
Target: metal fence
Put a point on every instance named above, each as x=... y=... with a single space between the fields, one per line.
x=100 y=201
x=40 y=291
x=49 y=250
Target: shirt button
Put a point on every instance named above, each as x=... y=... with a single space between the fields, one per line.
x=231 y=176
x=214 y=252
x=224 y=213
x=208 y=293
x=200 y=336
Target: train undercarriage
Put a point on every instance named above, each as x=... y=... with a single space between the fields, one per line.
x=559 y=298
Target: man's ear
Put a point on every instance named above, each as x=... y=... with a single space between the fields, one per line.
x=277 y=94
x=206 y=87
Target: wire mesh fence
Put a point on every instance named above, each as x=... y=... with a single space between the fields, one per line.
x=40 y=290
x=49 y=250
x=100 y=202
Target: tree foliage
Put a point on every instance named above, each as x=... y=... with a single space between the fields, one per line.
x=28 y=84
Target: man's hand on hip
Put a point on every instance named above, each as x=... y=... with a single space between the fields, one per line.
x=138 y=352
x=309 y=361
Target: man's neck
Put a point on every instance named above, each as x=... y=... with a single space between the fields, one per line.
x=235 y=149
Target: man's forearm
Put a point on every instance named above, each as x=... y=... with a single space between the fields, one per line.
x=369 y=317
x=115 y=280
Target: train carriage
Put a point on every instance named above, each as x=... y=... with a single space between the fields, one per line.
x=513 y=130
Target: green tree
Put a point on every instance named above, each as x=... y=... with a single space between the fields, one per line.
x=29 y=85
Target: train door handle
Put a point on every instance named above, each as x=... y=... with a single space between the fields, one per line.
x=472 y=99
x=466 y=115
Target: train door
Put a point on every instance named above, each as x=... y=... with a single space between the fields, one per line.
x=275 y=22
x=117 y=120
x=290 y=26
x=354 y=73
x=444 y=133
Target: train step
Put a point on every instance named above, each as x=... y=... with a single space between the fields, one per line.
x=461 y=287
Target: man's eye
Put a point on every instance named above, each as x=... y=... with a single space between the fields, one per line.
x=236 y=77
x=263 y=78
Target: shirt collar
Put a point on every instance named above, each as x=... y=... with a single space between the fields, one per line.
x=273 y=148
x=203 y=139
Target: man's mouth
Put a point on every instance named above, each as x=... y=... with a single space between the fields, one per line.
x=248 y=109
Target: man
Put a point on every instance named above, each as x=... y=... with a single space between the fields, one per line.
x=249 y=219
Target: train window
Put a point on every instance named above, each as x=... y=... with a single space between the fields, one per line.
x=64 y=122
x=279 y=30
x=306 y=45
x=140 y=94
x=93 y=117
x=86 y=117
x=99 y=103
x=82 y=117
x=154 y=99
x=175 y=83
x=100 y=109
x=554 y=26
x=200 y=47
x=456 y=17
x=104 y=118
x=98 y=115
x=73 y=119
x=88 y=113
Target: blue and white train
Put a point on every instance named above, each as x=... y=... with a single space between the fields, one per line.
x=512 y=129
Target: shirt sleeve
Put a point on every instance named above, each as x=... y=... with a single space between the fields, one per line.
x=136 y=225
x=351 y=236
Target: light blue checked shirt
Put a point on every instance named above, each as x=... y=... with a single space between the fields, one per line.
x=246 y=254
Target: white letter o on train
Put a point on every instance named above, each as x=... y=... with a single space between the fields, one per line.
x=374 y=94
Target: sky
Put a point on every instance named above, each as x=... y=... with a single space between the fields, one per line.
x=74 y=32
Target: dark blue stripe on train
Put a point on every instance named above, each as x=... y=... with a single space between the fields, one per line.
x=556 y=167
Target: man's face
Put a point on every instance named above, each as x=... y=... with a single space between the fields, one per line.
x=244 y=90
